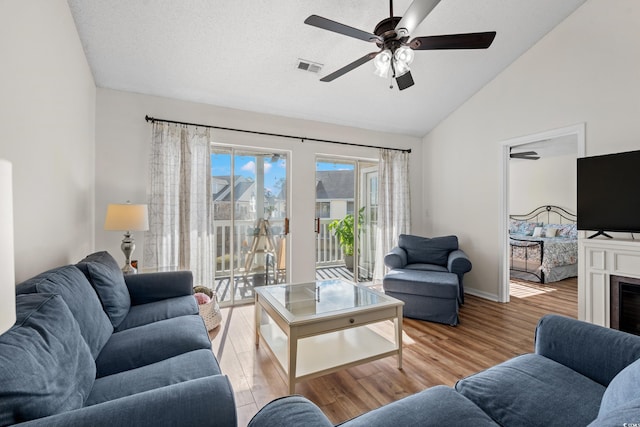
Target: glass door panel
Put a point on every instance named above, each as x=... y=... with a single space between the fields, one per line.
x=250 y=216
x=335 y=201
x=340 y=211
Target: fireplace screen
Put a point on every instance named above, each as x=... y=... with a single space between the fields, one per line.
x=625 y=304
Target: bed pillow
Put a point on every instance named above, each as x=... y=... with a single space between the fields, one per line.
x=45 y=365
x=537 y=232
x=550 y=232
x=569 y=231
x=105 y=276
x=527 y=228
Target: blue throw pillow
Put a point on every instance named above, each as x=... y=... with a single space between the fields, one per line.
x=424 y=250
x=622 y=389
x=107 y=279
x=82 y=300
x=45 y=365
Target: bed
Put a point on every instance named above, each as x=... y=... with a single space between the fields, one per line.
x=543 y=245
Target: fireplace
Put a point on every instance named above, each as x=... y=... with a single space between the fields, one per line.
x=625 y=304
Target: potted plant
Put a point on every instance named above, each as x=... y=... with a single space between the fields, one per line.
x=343 y=230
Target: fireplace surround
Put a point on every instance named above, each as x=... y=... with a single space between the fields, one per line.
x=599 y=262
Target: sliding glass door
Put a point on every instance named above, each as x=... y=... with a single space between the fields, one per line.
x=250 y=217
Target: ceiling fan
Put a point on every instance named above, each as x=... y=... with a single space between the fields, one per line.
x=525 y=155
x=392 y=34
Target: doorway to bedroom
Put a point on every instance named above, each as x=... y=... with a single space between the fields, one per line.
x=539 y=241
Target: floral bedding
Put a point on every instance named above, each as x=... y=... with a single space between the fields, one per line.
x=558 y=251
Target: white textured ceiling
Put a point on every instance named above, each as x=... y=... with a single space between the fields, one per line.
x=243 y=54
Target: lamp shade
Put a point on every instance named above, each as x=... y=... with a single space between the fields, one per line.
x=7 y=269
x=126 y=217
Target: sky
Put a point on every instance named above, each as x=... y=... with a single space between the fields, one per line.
x=275 y=169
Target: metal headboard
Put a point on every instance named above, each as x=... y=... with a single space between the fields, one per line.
x=541 y=213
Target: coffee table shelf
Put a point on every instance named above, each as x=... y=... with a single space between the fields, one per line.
x=348 y=347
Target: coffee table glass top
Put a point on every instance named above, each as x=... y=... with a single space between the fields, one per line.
x=322 y=297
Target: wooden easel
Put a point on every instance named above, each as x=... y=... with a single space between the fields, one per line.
x=262 y=243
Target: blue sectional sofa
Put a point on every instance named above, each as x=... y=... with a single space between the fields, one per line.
x=579 y=374
x=92 y=347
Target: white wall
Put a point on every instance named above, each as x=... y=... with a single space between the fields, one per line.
x=122 y=150
x=47 y=117
x=546 y=181
x=585 y=70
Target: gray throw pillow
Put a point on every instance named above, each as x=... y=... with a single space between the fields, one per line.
x=45 y=365
x=107 y=279
x=76 y=291
x=622 y=389
x=425 y=250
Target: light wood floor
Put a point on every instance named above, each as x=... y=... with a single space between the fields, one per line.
x=433 y=354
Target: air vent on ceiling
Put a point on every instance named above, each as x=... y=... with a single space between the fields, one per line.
x=310 y=66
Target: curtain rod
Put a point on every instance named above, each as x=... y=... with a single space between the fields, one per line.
x=301 y=138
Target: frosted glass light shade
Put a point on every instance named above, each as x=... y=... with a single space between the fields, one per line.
x=126 y=217
x=7 y=268
x=403 y=56
x=382 y=62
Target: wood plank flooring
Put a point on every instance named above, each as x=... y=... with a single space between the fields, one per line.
x=488 y=333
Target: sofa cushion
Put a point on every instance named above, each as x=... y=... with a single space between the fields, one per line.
x=531 y=390
x=107 y=279
x=144 y=345
x=622 y=389
x=144 y=314
x=435 y=284
x=82 y=300
x=424 y=250
x=426 y=267
x=436 y=406
x=45 y=365
x=184 y=367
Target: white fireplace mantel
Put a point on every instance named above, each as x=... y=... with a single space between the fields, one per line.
x=598 y=260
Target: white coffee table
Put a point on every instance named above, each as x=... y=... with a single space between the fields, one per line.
x=320 y=327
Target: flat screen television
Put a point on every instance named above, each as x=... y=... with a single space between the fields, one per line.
x=609 y=193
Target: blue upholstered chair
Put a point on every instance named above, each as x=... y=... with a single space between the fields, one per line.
x=427 y=274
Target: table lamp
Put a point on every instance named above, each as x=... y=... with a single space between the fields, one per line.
x=127 y=217
x=7 y=268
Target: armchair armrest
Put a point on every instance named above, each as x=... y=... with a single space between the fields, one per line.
x=290 y=411
x=397 y=258
x=458 y=262
x=204 y=401
x=591 y=350
x=150 y=287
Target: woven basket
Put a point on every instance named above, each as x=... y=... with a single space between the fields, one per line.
x=210 y=312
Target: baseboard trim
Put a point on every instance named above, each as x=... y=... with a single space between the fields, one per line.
x=482 y=294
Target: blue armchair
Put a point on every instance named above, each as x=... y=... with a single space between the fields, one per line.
x=427 y=274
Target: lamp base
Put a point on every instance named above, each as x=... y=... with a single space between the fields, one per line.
x=129 y=269
x=128 y=246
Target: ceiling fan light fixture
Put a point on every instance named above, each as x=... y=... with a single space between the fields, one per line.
x=404 y=55
x=382 y=62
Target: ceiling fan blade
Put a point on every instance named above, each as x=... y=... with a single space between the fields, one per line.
x=454 y=41
x=526 y=155
x=404 y=81
x=344 y=70
x=336 y=27
x=415 y=14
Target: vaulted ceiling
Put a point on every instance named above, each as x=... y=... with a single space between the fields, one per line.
x=244 y=54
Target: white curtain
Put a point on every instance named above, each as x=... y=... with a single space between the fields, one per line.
x=180 y=235
x=394 y=205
